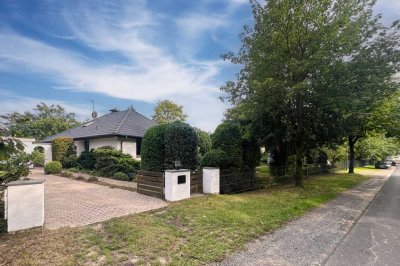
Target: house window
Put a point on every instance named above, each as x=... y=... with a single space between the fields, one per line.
x=87 y=145
x=138 y=146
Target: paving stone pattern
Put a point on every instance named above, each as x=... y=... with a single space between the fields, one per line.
x=75 y=203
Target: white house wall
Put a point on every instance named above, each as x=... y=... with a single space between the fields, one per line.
x=129 y=147
x=112 y=142
x=80 y=146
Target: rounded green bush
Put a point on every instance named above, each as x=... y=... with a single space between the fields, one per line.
x=227 y=138
x=153 y=149
x=180 y=144
x=53 y=167
x=121 y=176
x=214 y=158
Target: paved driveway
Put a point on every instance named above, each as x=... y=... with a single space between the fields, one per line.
x=76 y=203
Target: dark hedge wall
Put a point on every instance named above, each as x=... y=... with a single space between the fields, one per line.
x=153 y=149
x=180 y=144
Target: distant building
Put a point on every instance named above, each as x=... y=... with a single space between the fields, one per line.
x=122 y=130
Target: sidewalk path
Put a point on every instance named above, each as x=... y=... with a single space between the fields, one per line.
x=312 y=238
x=375 y=239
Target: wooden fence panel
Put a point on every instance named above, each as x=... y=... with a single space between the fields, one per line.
x=150 y=183
x=236 y=180
x=196 y=182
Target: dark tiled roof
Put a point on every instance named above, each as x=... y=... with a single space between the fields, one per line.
x=124 y=123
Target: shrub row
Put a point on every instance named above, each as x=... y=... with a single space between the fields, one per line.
x=164 y=144
x=231 y=149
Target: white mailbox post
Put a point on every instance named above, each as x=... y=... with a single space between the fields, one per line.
x=177 y=184
x=24 y=204
x=211 y=180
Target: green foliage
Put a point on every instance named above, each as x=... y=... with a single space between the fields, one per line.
x=43 y=122
x=180 y=144
x=37 y=158
x=376 y=147
x=215 y=158
x=9 y=147
x=109 y=162
x=203 y=142
x=168 y=112
x=311 y=70
x=153 y=149
x=227 y=138
x=64 y=151
x=251 y=153
x=86 y=160
x=121 y=176
x=14 y=168
x=53 y=167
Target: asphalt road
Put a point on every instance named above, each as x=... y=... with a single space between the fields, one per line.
x=375 y=238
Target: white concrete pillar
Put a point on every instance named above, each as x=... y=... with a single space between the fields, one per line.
x=211 y=180
x=24 y=202
x=177 y=184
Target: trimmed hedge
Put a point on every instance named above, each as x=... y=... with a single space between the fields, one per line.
x=153 y=149
x=64 y=151
x=109 y=162
x=227 y=138
x=53 y=167
x=121 y=176
x=87 y=160
x=180 y=144
x=214 y=158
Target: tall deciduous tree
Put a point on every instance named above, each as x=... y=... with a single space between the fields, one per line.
x=367 y=83
x=286 y=56
x=167 y=112
x=44 y=121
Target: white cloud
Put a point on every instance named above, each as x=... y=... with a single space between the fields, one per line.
x=10 y=102
x=148 y=72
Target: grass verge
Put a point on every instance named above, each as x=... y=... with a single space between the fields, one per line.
x=190 y=232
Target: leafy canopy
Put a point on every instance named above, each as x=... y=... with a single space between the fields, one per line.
x=167 y=112
x=44 y=121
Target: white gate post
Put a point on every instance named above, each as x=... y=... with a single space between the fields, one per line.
x=177 y=184
x=24 y=202
x=211 y=180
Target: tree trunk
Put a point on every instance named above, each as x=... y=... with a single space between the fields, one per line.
x=298 y=177
x=352 y=142
x=300 y=141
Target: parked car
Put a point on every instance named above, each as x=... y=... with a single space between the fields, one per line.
x=383 y=165
x=392 y=160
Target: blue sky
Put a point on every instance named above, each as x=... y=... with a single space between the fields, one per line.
x=123 y=53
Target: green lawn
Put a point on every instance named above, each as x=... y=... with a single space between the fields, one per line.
x=190 y=232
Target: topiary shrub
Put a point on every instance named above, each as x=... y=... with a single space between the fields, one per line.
x=153 y=149
x=53 y=167
x=86 y=160
x=109 y=162
x=121 y=176
x=180 y=144
x=214 y=158
x=64 y=151
x=227 y=137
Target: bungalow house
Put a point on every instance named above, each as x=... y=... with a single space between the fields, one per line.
x=122 y=130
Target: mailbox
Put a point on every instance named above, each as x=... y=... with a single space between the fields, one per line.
x=181 y=179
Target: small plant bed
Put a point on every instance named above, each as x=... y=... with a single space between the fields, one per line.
x=191 y=232
x=126 y=185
